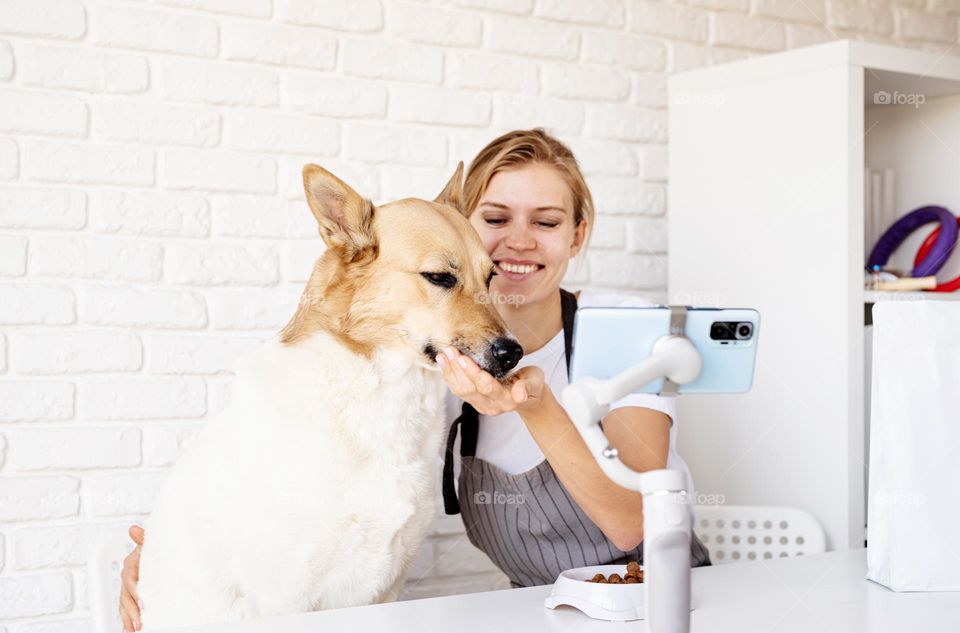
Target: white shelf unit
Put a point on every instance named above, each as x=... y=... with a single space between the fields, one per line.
x=873 y=296
x=766 y=198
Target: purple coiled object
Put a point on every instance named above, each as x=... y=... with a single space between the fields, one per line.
x=894 y=236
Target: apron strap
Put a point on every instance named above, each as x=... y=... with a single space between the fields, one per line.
x=469 y=420
x=568 y=310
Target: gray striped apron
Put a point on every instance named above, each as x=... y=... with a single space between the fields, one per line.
x=528 y=524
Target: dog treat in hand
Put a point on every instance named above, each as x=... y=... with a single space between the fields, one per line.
x=634 y=575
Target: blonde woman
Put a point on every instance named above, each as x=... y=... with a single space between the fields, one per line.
x=530 y=494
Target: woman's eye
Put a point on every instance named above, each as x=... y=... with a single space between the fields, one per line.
x=495 y=221
x=548 y=225
x=444 y=280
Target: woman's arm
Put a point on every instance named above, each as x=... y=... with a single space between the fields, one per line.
x=641 y=437
x=129 y=601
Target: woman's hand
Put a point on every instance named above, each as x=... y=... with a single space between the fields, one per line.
x=522 y=391
x=129 y=600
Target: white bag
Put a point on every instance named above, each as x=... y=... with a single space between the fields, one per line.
x=913 y=512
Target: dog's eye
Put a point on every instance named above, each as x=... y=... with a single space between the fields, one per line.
x=444 y=280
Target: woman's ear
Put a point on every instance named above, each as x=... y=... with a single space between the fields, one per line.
x=579 y=235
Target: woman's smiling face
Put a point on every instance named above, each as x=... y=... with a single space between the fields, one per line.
x=526 y=222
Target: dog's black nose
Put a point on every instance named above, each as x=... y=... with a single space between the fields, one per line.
x=506 y=353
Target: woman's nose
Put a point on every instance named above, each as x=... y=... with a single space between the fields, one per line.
x=520 y=238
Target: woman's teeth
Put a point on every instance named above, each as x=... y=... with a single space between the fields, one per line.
x=517 y=268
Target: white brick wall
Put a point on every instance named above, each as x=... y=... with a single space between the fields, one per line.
x=152 y=222
x=31 y=112
x=163 y=125
x=75 y=351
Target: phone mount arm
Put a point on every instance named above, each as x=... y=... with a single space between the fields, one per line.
x=666 y=512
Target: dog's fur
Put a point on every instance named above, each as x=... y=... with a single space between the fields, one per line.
x=316 y=486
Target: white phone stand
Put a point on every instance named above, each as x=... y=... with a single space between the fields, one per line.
x=666 y=502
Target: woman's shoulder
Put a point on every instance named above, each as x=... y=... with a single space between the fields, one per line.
x=589 y=298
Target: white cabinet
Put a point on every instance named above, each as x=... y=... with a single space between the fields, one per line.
x=767 y=160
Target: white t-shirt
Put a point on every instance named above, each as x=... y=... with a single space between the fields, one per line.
x=504 y=440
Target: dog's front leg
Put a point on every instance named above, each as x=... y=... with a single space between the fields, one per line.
x=394 y=590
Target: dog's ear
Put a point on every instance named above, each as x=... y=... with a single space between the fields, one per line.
x=452 y=194
x=344 y=216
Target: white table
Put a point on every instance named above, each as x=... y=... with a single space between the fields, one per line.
x=808 y=594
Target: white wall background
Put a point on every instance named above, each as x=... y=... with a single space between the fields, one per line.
x=152 y=225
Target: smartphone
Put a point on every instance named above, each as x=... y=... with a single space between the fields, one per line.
x=607 y=341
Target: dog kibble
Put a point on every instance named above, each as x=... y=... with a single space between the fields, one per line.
x=633 y=576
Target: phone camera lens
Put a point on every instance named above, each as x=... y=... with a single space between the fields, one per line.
x=744 y=330
x=717 y=331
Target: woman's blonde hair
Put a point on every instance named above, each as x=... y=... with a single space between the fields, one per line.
x=523 y=147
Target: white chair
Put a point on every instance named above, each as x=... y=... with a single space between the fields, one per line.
x=744 y=533
x=103 y=570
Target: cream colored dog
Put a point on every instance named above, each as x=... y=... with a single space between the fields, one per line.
x=315 y=488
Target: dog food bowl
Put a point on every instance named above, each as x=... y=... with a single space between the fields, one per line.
x=601 y=601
